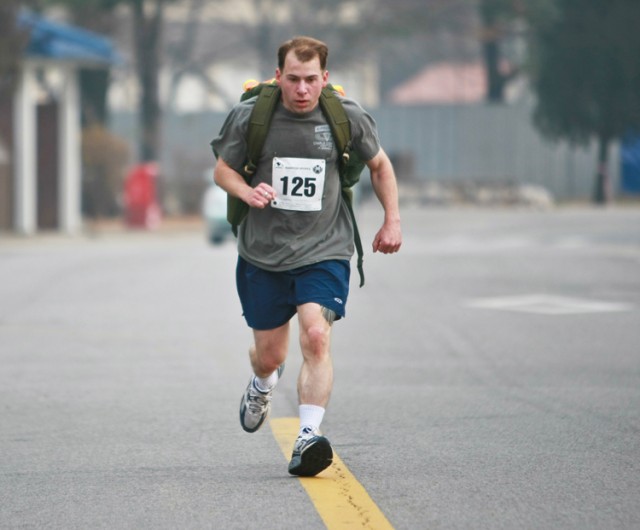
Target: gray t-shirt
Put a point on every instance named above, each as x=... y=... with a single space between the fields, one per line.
x=299 y=149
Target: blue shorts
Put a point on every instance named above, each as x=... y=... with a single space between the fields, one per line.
x=269 y=299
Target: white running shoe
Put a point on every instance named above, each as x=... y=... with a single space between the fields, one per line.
x=255 y=405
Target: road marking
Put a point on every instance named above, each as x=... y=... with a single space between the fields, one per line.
x=338 y=497
x=548 y=305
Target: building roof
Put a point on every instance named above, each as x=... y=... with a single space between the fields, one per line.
x=54 y=40
x=443 y=83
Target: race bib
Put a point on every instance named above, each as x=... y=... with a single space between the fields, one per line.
x=299 y=183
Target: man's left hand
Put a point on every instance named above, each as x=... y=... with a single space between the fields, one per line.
x=388 y=239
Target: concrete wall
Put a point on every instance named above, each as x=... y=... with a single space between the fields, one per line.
x=452 y=145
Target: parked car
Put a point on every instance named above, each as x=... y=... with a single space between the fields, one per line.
x=214 y=210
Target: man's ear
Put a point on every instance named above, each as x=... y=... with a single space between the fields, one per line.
x=278 y=75
x=325 y=78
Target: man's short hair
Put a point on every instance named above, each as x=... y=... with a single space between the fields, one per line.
x=305 y=48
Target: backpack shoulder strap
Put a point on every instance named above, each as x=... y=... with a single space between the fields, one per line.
x=259 y=122
x=338 y=121
x=268 y=96
x=341 y=131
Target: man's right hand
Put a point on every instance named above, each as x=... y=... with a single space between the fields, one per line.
x=260 y=196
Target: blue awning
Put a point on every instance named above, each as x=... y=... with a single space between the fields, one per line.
x=61 y=41
x=630 y=158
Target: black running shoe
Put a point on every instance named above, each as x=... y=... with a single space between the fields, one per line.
x=312 y=454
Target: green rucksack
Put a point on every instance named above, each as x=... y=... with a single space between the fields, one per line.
x=349 y=166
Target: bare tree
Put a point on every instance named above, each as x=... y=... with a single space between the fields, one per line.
x=12 y=44
x=147 y=41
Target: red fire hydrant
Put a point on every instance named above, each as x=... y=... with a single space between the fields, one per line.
x=141 y=206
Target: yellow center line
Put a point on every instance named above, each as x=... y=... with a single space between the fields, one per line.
x=338 y=497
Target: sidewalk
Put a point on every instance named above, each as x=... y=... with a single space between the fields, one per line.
x=185 y=223
x=92 y=229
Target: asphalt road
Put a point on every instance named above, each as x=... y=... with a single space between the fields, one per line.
x=487 y=377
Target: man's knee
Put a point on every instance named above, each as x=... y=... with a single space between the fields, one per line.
x=270 y=347
x=315 y=339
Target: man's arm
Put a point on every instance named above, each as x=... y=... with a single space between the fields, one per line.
x=232 y=182
x=383 y=179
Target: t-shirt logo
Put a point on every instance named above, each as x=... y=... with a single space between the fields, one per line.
x=323 y=139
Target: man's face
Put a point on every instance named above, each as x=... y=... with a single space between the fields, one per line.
x=301 y=83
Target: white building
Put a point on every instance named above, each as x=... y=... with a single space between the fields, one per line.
x=42 y=170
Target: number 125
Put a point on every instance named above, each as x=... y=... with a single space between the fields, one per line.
x=299 y=186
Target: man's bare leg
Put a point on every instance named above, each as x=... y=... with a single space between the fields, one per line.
x=266 y=355
x=316 y=374
x=312 y=452
x=269 y=350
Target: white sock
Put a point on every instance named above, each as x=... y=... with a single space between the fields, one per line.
x=266 y=384
x=311 y=417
